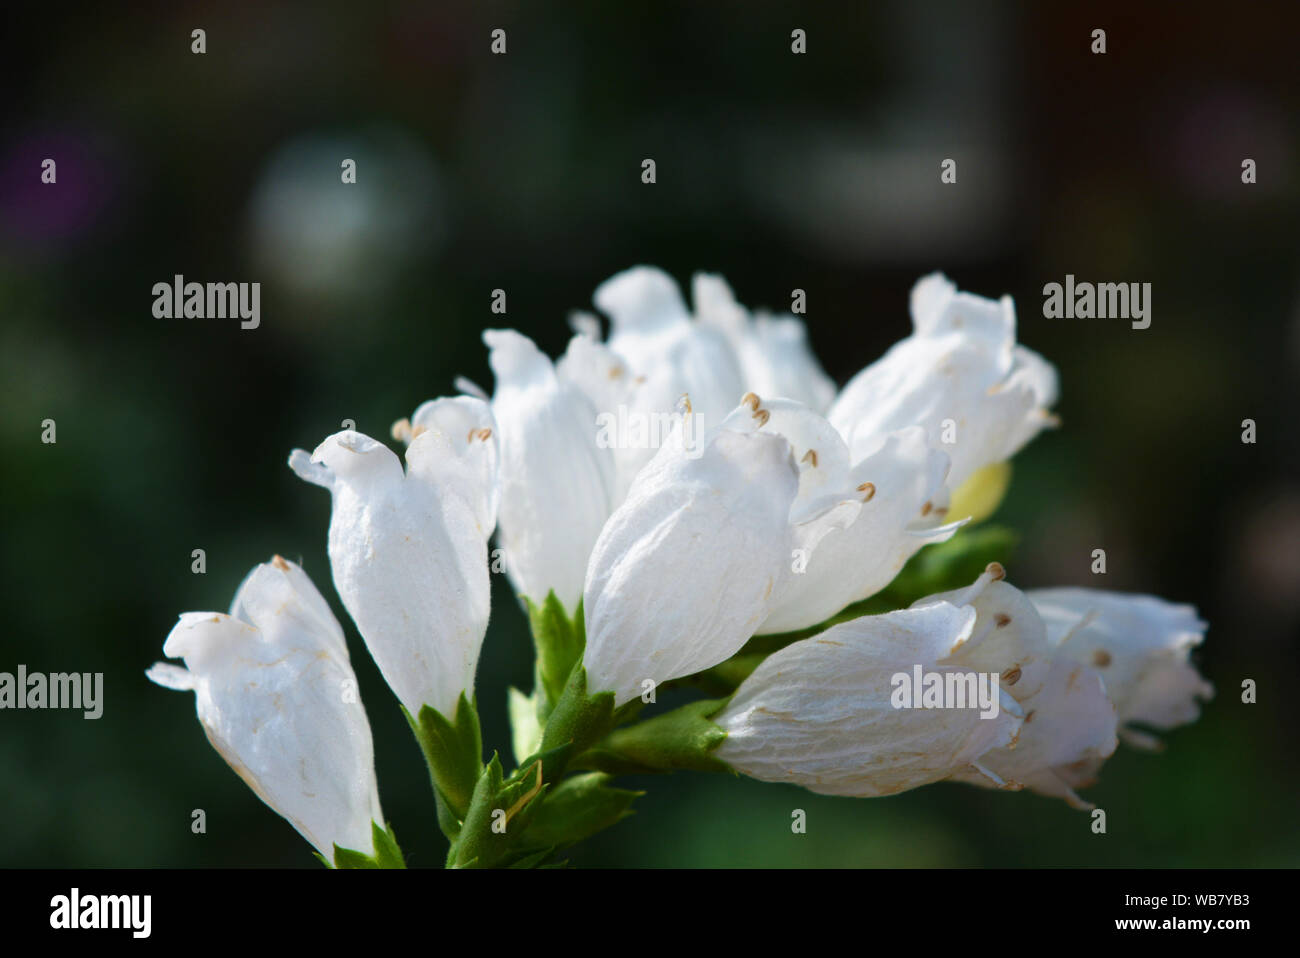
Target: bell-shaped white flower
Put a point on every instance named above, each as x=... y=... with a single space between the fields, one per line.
x=855 y=523
x=685 y=568
x=714 y=357
x=1139 y=645
x=775 y=358
x=409 y=551
x=652 y=331
x=960 y=375
x=821 y=712
x=1069 y=723
x=557 y=484
x=277 y=698
x=574 y=434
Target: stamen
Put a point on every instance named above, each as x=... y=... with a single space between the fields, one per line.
x=1012 y=675
x=762 y=416
x=992 y=573
x=811 y=457
x=401 y=430
x=751 y=400
x=1101 y=658
x=868 y=489
x=1002 y=619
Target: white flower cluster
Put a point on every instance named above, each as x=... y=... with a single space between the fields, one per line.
x=791 y=503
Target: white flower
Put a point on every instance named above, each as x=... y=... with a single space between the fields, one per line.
x=684 y=569
x=765 y=528
x=561 y=475
x=277 y=698
x=557 y=485
x=775 y=359
x=409 y=551
x=717 y=357
x=855 y=523
x=819 y=713
x=1139 y=645
x=1069 y=723
x=960 y=374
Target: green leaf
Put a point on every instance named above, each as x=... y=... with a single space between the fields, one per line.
x=386 y=854
x=681 y=739
x=579 y=807
x=454 y=753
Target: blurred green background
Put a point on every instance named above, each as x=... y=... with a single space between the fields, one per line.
x=523 y=172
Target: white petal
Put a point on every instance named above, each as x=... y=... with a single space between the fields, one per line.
x=781 y=363
x=1069 y=729
x=684 y=569
x=903 y=504
x=467 y=386
x=409 y=556
x=653 y=333
x=1009 y=636
x=556 y=483
x=277 y=699
x=617 y=396
x=819 y=713
x=817 y=447
x=170 y=677
x=461 y=455
x=646 y=311
x=1139 y=644
x=960 y=375
x=773 y=351
x=282 y=591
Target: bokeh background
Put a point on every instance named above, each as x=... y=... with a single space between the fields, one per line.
x=523 y=172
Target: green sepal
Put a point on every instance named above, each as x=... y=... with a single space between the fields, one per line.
x=559 y=641
x=505 y=803
x=387 y=854
x=628 y=711
x=578 y=721
x=579 y=807
x=681 y=739
x=454 y=753
x=535 y=860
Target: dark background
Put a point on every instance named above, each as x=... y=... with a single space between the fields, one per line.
x=522 y=172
